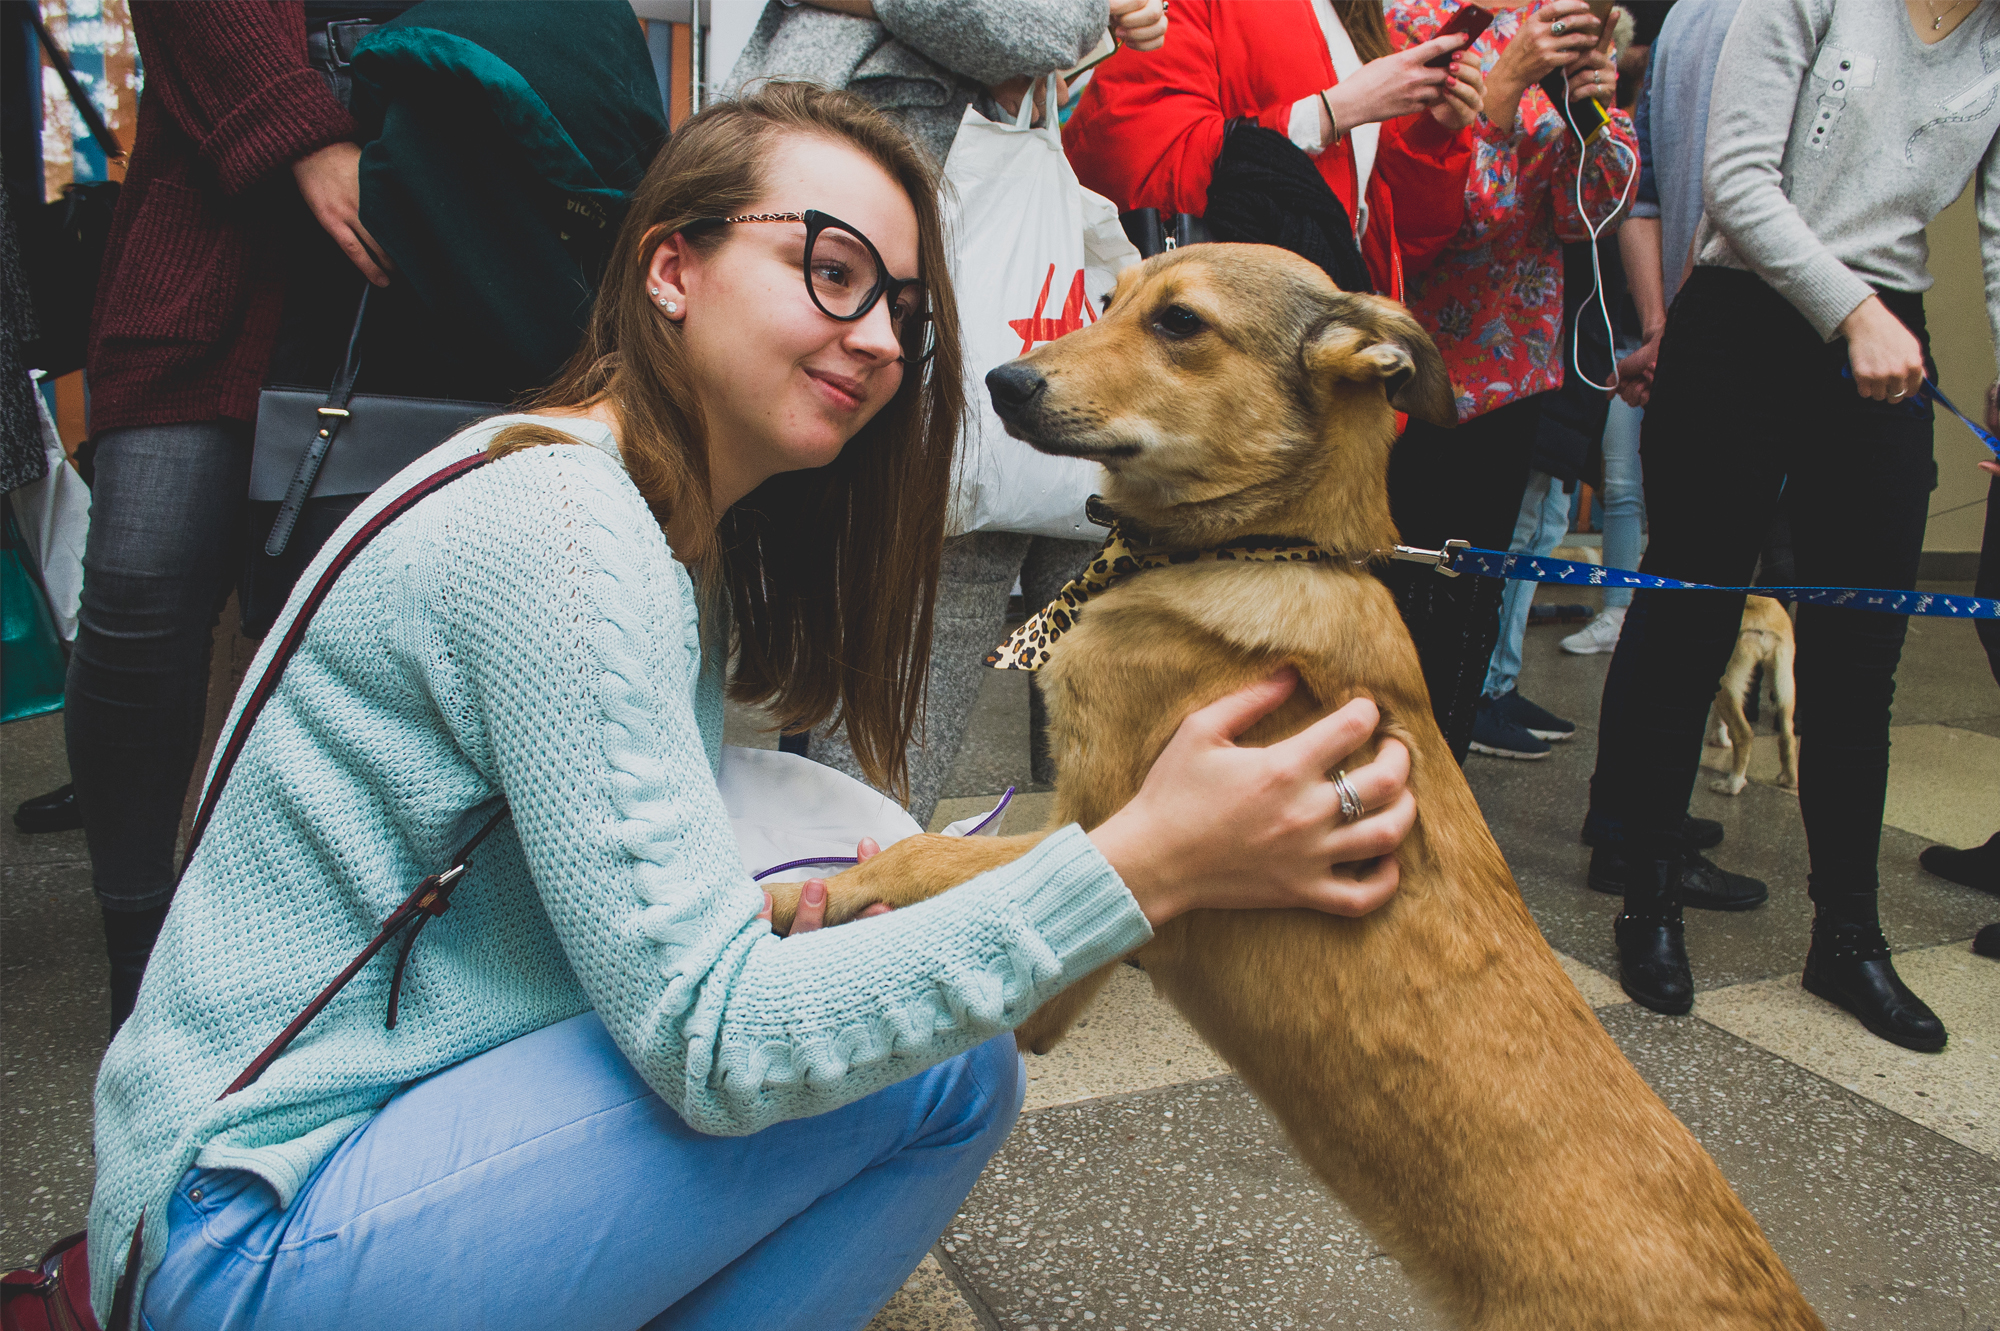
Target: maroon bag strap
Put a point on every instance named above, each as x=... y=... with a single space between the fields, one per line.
x=267 y=684
x=432 y=896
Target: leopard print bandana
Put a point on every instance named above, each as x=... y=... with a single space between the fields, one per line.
x=1124 y=554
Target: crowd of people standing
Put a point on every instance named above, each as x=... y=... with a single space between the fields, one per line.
x=736 y=463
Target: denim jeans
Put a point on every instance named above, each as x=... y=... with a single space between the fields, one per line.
x=1543 y=522
x=166 y=517
x=1624 y=496
x=1748 y=403
x=542 y=1183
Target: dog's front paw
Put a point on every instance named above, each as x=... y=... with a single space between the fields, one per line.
x=1789 y=781
x=1728 y=785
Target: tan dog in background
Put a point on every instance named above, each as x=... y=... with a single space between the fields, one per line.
x=1430 y=1061
x=1765 y=640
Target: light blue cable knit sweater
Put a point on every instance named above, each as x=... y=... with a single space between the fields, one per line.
x=526 y=633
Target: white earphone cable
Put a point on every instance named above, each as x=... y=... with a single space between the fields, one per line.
x=1596 y=262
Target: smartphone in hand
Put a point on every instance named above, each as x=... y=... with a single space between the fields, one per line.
x=1470 y=20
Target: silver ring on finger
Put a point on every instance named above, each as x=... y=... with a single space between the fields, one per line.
x=1559 y=27
x=1898 y=393
x=1351 y=808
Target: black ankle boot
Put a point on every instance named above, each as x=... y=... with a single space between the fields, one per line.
x=128 y=944
x=1849 y=966
x=1652 y=959
x=1653 y=963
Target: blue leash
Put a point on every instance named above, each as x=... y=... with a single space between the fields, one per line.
x=1457 y=557
x=1980 y=432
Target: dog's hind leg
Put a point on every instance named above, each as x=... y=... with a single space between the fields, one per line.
x=1788 y=741
x=1729 y=706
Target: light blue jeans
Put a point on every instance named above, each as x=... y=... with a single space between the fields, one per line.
x=1624 y=496
x=1543 y=522
x=544 y=1184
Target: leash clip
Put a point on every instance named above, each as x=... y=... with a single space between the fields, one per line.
x=1441 y=560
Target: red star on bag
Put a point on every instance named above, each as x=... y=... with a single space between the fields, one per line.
x=1076 y=305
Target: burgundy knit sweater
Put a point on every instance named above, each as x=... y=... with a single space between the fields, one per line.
x=193 y=282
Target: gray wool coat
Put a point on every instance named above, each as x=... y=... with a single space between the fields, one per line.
x=923 y=61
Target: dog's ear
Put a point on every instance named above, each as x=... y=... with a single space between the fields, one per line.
x=1364 y=337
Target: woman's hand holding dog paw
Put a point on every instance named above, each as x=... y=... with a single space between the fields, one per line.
x=811 y=912
x=1223 y=826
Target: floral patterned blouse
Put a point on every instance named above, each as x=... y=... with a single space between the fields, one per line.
x=1493 y=300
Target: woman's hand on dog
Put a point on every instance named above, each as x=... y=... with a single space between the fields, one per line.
x=1223 y=826
x=812 y=897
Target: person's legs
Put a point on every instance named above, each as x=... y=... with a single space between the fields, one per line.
x=1624 y=510
x=1506 y=724
x=973 y=586
x=165 y=515
x=1712 y=444
x=1857 y=498
x=1459 y=483
x=1543 y=521
x=544 y=1184
x=1978 y=866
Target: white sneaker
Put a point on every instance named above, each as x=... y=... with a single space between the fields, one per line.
x=1599 y=635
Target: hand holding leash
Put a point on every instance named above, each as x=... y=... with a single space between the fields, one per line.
x=1223 y=826
x=1887 y=360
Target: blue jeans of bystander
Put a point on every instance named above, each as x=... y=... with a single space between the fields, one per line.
x=1624 y=496
x=1543 y=522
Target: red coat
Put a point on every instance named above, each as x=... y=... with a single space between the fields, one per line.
x=193 y=282
x=1148 y=128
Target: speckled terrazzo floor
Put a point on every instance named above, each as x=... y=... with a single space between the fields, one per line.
x=1145 y=1187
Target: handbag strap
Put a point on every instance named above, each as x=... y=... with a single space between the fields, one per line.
x=431 y=897
x=333 y=414
x=107 y=143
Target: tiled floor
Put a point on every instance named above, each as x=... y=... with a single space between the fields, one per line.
x=1145 y=1187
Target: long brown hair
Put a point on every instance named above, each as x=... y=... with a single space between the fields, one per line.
x=831 y=571
x=1365 y=27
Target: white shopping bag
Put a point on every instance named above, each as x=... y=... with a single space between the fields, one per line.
x=1034 y=254
x=54 y=516
x=796 y=819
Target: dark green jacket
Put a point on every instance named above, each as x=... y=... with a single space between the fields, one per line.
x=501 y=144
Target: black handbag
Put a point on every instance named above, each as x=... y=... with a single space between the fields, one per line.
x=317 y=453
x=62 y=243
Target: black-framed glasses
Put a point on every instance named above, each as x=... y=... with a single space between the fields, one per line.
x=845 y=276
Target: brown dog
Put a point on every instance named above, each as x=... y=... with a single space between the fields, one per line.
x=1765 y=640
x=1431 y=1061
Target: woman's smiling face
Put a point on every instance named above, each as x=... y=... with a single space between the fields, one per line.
x=783 y=386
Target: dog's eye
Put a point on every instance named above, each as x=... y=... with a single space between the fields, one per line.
x=1178 y=321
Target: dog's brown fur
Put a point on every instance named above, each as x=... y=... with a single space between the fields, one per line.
x=1765 y=640
x=1431 y=1061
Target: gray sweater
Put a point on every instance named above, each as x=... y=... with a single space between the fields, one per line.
x=924 y=61
x=1672 y=123
x=1834 y=136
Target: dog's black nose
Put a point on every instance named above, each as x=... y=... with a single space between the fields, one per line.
x=1013 y=387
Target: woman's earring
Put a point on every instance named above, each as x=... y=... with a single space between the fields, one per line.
x=654 y=290
x=671 y=307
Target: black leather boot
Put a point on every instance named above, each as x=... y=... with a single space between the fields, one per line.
x=1698 y=882
x=1849 y=966
x=56 y=811
x=1652 y=959
x=128 y=944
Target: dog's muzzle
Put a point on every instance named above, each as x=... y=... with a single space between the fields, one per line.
x=1014 y=388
